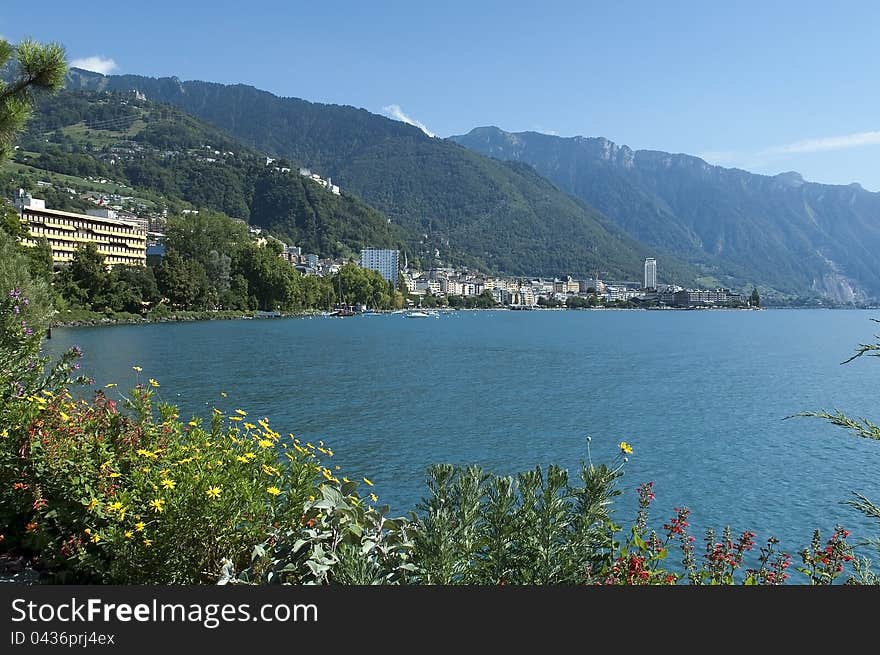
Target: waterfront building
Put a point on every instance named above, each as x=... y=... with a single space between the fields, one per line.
x=121 y=242
x=387 y=262
x=650 y=273
x=708 y=297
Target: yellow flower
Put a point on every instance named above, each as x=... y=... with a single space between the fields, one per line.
x=330 y=452
x=158 y=505
x=148 y=542
x=223 y=393
x=264 y=443
x=368 y=482
x=129 y=534
x=139 y=526
x=93 y=503
x=115 y=475
x=270 y=470
x=64 y=417
x=147 y=453
x=114 y=507
x=249 y=426
x=242 y=459
x=235 y=418
x=273 y=491
x=241 y=412
x=153 y=383
x=96 y=538
x=625 y=448
x=374 y=497
x=136 y=369
x=213 y=492
x=326 y=473
x=250 y=455
x=194 y=423
x=344 y=479
x=168 y=483
x=110 y=386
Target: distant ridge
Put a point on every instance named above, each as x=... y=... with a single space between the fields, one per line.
x=793 y=236
x=469 y=208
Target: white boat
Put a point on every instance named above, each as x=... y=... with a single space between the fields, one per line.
x=418 y=315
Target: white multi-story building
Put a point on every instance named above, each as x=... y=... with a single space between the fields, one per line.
x=650 y=273
x=387 y=262
x=121 y=242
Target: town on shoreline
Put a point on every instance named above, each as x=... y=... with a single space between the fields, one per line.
x=124 y=241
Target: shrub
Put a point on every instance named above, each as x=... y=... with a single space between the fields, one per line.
x=341 y=539
x=535 y=528
x=138 y=496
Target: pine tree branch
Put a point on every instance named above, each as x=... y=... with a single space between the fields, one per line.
x=861 y=427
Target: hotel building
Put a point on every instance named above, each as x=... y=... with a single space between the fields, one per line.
x=121 y=242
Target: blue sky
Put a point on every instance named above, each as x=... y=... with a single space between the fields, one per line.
x=765 y=86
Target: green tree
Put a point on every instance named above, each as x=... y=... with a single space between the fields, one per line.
x=755 y=299
x=38 y=69
x=39 y=257
x=484 y=300
x=10 y=222
x=236 y=297
x=14 y=274
x=355 y=285
x=183 y=282
x=271 y=281
x=85 y=282
x=132 y=288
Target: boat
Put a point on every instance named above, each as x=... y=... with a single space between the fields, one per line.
x=418 y=315
x=342 y=312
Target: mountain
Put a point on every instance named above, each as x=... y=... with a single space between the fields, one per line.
x=448 y=200
x=790 y=236
x=168 y=159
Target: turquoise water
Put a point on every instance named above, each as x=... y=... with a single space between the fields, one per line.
x=700 y=395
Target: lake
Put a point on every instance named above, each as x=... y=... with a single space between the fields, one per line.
x=701 y=396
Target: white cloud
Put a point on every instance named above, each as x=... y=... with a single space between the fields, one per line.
x=95 y=64
x=394 y=111
x=758 y=159
x=856 y=140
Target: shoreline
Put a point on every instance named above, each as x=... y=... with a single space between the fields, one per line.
x=81 y=319
x=101 y=320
